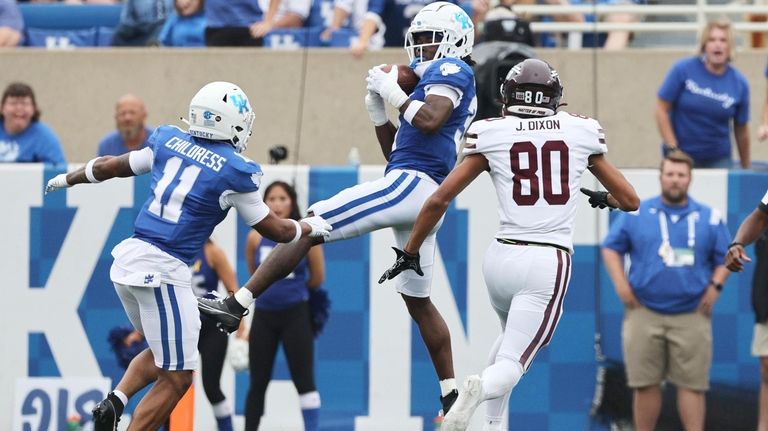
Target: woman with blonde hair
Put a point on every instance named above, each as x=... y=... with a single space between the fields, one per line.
x=701 y=97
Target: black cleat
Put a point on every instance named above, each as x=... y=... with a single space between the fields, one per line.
x=226 y=312
x=447 y=401
x=107 y=413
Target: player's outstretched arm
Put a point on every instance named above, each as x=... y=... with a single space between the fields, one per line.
x=621 y=194
x=104 y=168
x=289 y=231
x=751 y=228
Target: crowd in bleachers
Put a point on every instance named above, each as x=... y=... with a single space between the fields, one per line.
x=359 y=25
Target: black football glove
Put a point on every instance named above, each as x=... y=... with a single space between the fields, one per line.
x=598 y=199
x=404 y=261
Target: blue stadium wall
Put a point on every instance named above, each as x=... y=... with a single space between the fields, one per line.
x=372 y=370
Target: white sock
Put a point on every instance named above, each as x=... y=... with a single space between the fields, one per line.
x=221 y=409
x=244 y=297
x=310 y=400
x=447 y=386
x=121 y=396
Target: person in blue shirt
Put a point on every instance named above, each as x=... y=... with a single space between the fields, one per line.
x=246 y=22
x=395 y=16
x=140 y=22
x=676 y=246
x=197 y=176
x=11 y=24
x=701 y=98
x=23 y=138
x=282 y=316
x=131 y=134
x=419 y=154
x=186 y=26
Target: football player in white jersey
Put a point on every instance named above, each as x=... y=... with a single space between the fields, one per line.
x=197 y=176
x=535 y=156
x=420 y=153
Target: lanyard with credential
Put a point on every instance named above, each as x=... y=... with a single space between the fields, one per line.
x=665 y=230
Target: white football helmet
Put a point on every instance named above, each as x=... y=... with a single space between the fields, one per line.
x=452 y=32
x=221 y=111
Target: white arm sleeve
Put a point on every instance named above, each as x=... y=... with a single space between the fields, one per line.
x=141 y=160
x=448 y=91
x=250 y=206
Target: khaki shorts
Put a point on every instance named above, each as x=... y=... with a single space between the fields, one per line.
x=674 y=347
x=760 y=340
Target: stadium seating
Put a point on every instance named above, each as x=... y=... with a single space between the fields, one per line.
x=62 y=26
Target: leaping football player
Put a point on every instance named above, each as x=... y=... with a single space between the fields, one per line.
x=419 y=155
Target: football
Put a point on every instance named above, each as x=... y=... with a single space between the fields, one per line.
x=406 y=77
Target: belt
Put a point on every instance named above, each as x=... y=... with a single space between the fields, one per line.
x=531 y=243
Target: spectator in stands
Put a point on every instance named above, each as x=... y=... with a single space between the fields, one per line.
x=131 y=134
x=246 y=22
x=393 y=18
x=282 y=315
x=676 y=248
x=140 y=22
x=548 y=40
x=612 y=40
x=368 y=24
x=23 y=138
x=701 y=97
x=11 y=24
x=186 y=26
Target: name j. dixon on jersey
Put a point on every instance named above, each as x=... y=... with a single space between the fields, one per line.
x=538 y=125
x=197 y=153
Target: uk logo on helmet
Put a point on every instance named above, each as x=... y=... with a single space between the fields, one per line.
x=240 y=102
x=463 y=19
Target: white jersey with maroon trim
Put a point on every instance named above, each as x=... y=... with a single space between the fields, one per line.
x=536 y=166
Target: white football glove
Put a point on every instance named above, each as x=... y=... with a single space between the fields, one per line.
x=376 y=110
x=385 y=83
x=57 y=182
x=320 y=227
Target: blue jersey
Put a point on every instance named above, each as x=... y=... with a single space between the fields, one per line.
x=284 y=293
x=435 y=154
x=397 y=16
x=189 y=176
x=204 y=279
x=232 y=13
x=35 y=144
x=703 y=107
x=114 y=145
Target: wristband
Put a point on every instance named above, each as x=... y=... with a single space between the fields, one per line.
x=716 y=285
x=298 y=232
x=89 y=171
x=412 y=109
x=734 y=244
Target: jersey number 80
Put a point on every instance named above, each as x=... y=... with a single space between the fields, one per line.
x=550 y=149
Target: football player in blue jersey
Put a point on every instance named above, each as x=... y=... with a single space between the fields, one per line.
x=419 y=154
x=197 y=176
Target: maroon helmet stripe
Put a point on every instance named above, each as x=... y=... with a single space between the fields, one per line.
x=533 y=347
x=562 y=298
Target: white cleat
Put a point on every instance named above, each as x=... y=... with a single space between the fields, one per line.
x=460 y=414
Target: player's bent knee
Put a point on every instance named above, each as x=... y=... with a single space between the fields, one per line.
x=179 y=381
